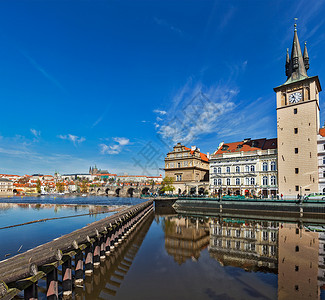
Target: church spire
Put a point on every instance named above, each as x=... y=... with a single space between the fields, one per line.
x=296 y=67
x=306 y=57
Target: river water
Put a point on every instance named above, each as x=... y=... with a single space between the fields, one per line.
x=183 y=256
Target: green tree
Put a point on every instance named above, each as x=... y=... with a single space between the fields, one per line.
x=38 y=186
x=60 y=187
x=167 y=184
x=84 y=187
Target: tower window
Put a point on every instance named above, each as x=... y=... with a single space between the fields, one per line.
x=296 y=150
x=297 y=248
x=297 y=170
x=296 y=268
x=295 y=130
x=295 y=111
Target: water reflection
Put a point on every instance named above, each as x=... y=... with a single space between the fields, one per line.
x=295 y=252
x=185 y=238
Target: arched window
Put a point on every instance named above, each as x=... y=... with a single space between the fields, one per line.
x=237 y=169
x=252 y=168
x=252 y=180
x=323 y=173
x=237 y=181
x=215 y=182
x=228 y=181
x=219 y=170
x=247 y=168
x=324 y=160
x=273 y=180
x=215 y=170
x=264 y=180
x=273 y=166
x=228 y=170
x=247 y=180
x=264 y=166
x=219 y=181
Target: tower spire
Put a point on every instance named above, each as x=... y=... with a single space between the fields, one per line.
x=296 y=68
x=306 y=57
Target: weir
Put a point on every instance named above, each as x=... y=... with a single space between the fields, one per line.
x=79 y=253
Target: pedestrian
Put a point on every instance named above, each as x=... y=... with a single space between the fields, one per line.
x=281 y=196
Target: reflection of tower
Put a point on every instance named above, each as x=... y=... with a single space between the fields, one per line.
x=321 y=260
x=248 y=245
x=185 y=238
x=298 y=263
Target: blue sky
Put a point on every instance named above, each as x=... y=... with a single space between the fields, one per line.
x=117 y=83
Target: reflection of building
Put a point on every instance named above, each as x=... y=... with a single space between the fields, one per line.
x=248 y=245
x=189 y=168
x=246 y=168
x=321 y=259
x=298 y=263
x=321 y=160
x=6 y=187
x=185 y=238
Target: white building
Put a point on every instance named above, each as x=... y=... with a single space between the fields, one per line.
x=245 y=168
x=321 y=160
x=6 y=187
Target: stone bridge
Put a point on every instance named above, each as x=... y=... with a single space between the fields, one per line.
x=123 y=191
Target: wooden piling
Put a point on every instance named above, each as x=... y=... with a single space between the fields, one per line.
x=67 y=278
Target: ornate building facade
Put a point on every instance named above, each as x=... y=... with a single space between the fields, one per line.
x=189 y=168
x=246 y=168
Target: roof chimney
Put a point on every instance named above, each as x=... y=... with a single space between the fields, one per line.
x=193 y=148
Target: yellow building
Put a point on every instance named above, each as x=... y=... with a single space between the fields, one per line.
x=189 y=168
x=297 y=102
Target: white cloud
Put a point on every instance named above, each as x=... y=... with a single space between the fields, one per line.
x=35 y=132
x=161 y=112
x=194 y=113
x=165 y=24
x=115 y=148
x=73 y=138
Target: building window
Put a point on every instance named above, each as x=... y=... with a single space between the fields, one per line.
x=273 y=166
x=297 y=249
x=219 y=181
x=178 y=177
x=295 y=130
x=264 y=166
x=219 y=170
x=296 y=170
x=295 y=110
x=296 y=150
x=247 y=180
x=228 y=170
x=265 y=180
x=273 y=180
x=252 y=168
x=179 y=165
x=215 y=182
x=247 y=168
x=238 y=233
x=324 y=174
x=265 y=235
x=324 y=160
x=238 y=169
x=228 y=181
x=297 y=188
x=215 y=170
x=252 y=180
x=296 y=268
x=237 y=181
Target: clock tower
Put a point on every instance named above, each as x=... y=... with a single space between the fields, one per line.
x=297 y=102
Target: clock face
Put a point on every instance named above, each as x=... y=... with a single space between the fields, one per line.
x=295 y=97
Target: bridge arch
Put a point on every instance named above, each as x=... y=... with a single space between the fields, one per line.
x=145 y=191
x=130 y=192
x=107 y=190
x=117 y=192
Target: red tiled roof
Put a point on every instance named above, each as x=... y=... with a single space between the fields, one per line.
x=202 y=155
x=249 y=145
x=322 y=131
